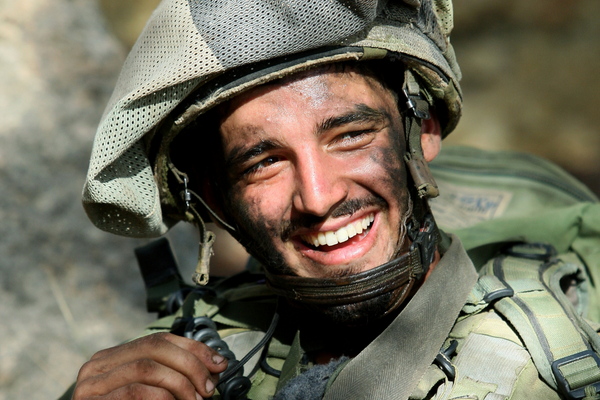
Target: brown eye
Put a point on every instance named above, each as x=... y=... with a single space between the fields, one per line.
x=269 y=161
x=264 y=163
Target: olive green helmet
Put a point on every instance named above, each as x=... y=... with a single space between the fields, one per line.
x=195 y=54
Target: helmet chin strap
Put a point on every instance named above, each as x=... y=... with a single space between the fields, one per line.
x=207 y=238
x=423 y=230
x=395 y=277
x=417 y=109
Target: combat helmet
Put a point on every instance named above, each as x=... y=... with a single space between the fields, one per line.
x=195 y=54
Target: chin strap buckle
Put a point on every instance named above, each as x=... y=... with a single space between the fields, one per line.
x=416 y=105
x=423 y=239
x=187 y=196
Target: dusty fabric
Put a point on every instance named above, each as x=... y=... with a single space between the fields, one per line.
x=311 y=384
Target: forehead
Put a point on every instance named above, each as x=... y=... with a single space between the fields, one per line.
x=310 y=94
x=316 y=82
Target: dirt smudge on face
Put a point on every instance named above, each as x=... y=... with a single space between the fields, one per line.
x=257 y=233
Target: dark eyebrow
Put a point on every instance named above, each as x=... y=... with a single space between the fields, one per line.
x=361 y=113
x=240 y=154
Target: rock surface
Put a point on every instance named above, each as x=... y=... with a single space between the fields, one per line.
x=67 y=289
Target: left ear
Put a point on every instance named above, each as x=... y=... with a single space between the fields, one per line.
x=431 y=136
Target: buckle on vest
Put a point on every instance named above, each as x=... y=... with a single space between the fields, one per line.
x=533 y=251
x=561 y=380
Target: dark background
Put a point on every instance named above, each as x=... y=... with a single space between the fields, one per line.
x=67 y=289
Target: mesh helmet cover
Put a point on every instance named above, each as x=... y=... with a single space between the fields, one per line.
x=188 y=43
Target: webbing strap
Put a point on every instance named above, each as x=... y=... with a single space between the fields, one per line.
x=417 y=110
x=562 y=345
x=159 y=270
x=392 y=365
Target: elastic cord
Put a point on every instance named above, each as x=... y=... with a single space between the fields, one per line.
x=213 y=214
x=252 y=352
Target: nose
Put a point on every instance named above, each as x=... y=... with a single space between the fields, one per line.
x=319 y=184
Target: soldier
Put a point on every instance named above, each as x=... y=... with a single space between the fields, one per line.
x=305 y=129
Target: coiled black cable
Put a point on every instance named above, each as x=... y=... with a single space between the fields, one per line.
x=232 y=384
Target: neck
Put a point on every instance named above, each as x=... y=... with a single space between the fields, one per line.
x=328 y=341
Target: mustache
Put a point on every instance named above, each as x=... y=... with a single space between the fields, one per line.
x=346 y=208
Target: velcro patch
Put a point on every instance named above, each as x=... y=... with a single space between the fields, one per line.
x=463 y=206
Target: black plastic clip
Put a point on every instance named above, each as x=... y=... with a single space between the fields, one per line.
x=424 y=240
x=442 y=360
x=499 y=294
x=561 y=382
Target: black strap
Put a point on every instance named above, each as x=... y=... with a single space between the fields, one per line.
x=417 y=109
x=159 y=270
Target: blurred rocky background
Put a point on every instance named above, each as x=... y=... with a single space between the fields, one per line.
x=529 y=79
x=68 y=289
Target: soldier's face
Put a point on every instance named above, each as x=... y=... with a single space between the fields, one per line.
x=315 y=172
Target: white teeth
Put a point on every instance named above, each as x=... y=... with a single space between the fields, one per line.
x=322 y=239
x=351 y=230
x=331 y=238
x=358 y=227
x=342 y=235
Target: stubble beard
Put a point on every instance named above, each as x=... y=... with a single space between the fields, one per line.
x=261 y=237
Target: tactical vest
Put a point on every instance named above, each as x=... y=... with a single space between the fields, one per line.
x=499 y=198
x=519 y=335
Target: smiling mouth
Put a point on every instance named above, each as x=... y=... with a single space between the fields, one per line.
x=331 y=238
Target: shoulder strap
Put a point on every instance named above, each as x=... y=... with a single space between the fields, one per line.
x=526 y=285
x=392 y=365
x=165 y=289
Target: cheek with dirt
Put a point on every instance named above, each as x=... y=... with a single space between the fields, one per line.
x=389 y=160
x=394 y=177
x=257 y=232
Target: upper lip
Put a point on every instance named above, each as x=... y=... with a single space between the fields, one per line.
x=334 y=225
